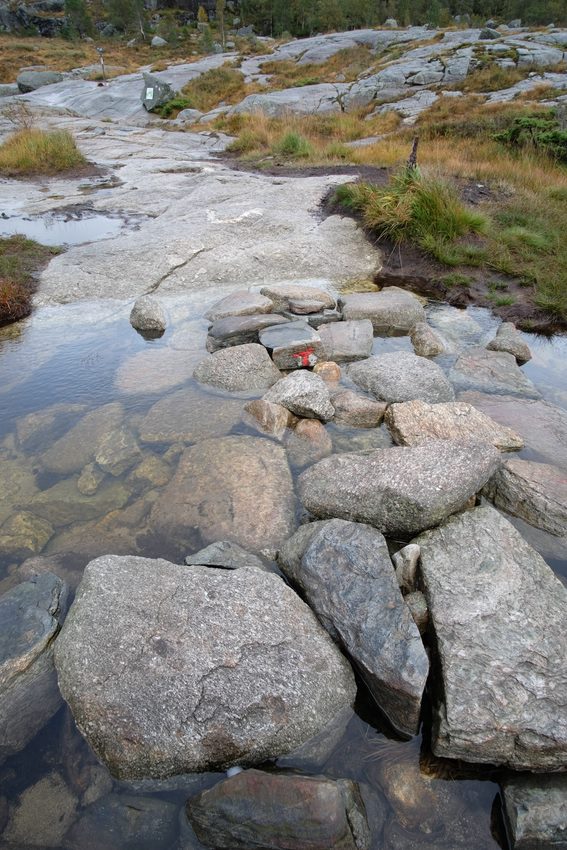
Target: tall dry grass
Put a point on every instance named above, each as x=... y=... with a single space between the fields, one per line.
x=35 y=151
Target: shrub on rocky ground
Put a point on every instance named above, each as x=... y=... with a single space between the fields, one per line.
x=35 y=151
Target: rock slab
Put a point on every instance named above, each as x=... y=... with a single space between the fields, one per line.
x=304 y=394
x=346 y=575
x=345 y=342
x=402 y=376
x=391 y=311
x=170 y=669
x=491 y=372
x=535 y=492
x=535 y=809
x=242 y=368
x=499 y=616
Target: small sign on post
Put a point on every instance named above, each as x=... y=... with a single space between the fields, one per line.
x=100 y=51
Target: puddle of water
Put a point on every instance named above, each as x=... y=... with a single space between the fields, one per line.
x=63 y=227
x=58 y=357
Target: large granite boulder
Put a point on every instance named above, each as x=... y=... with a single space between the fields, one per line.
x=499 y=615
x=232 y=488
x=156 y=92
x=240 y=303
x=357 y=410
x=75 y=449
x=242 y=368
x=402 y=376
x=399 y=490
x=270 y=811
x=189 y=415
x=535 y=808
x=31 y=80
x=391 y=311
x=304 y=394
x=345 y=342
x=31 y=615
x=509 y=339
x=344 y=571
x=170 y=669
x=147 y=315
x=415 y=422
x=535 y=492
x=491 y=372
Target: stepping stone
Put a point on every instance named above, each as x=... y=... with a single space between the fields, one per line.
x=392 y=310
x=239 y=330
x=294 y=345
x=347 y=341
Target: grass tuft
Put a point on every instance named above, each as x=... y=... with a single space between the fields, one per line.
x=35 y=151
x=293 y=145
x=20 y=260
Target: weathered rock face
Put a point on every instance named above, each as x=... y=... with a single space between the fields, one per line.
x=345 y=342
x=391 y=311
x=304 y=394
x=239 y=687
x=156 y=92
x=346 y=575
x=398 y=490
x=402 y=376
x=42 y=815
x=542 y=425
x=293 y=345
x=535 y=492
x=36 y=430
x=267 y=418
x=24 y=535
x=510 y=340
x=536 y=811
x=148 y=315
x=237 y=369
x=415 y=422
x=63 y=504
x=241 y=303
x=224 y=554
x=239 y=330
x=426 y=341
x=189 y=415
x=499 y=616
x=119 y=820
x=78 y=446
x=117 y=451
x=31 y=614
x=491 y=372
x=270 y=811
x=357 y=410
x=233 y=488
x=280 y=296
x=31 y=80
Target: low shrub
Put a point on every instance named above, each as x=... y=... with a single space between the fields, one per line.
x=538 y=133
x=35 y=151
x=293 y=144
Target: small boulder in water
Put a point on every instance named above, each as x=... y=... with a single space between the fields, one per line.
x=148 y=316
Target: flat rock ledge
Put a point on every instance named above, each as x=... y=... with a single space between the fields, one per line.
x=399 y=490
x=500 y=617
x=170 y=669
x=344 y=571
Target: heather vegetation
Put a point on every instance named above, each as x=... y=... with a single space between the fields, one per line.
x=20 y=261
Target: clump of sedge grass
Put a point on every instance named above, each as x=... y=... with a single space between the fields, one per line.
x=35 y=151
x=293 y=145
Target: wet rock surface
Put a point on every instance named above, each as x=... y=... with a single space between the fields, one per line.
x=392 y=310
x=535 y=492
x=535 y=808
x=304 y=394
x=357 y=410
x=31 y=615
x=189 y=415
x=510 y=340
x=239 y=687
x=498 y=613
x=344 y=342
x=71 y=452
x=491 y=372
x=42 y=814
x=344 y=572
x=148 y=315
x=118 y=821
x=239 y=330
x=242 y=368
x=402 y=376
x=293 y=345
x=308 y=442
x=229 y=556
x=241 y=303
x=266 y=417
x=271 y=811
x=398 y=490
x=426 y=341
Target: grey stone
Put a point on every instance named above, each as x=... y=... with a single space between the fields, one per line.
x=535 y=492
x=308 y=442
x=157 y=41
x=357 y=410
x=152 y=471
x=31 y=80
x=241 y=303
x=270 y=811
x=293 y=345
x=90 y=479
x=43 y=814
x=499 y=615
x=75 y=449
x=189 y=415
x=399 y=490
x=117 y=451
x=347 y=341
x=415 y=422
x=346 y=575
x=24 y=535
x=491 y=372
x=267 y=418
x=510 y=340
x=322 y=98
x=281 y=295
x=156 y=92
x=240 y=687
x=31 y=614
x=18 y=484
x=232 y=488
x=535 y=808
x=399 y=376
x=225 y=554
x=191 y=116
x=123 y=821
x=417 y=604
x=426 y=341
x=303 y=307
x=43 y=426
x=241 y=368
x=148 y=315
x=304 y=394
x=406 y=562
x=488 y=34
x=391 y=311
x=239 y=330
x=62 y=504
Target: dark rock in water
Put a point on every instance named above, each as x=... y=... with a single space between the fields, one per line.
x=233 y=488
x=75 y=449
x=31 y=80
x=345 y=342
x=281 y=295
x=391 y=311
x=491 y=372
x=270 y=811
x=535 y=492
x=293 y=345
x=31 y=615
x=510 y=340
x=346 y=575
x=399 y=490
x=241 y=368
x=304 y=394
x=267 y=418
x=357 y=410
x=169 y=669
x=229 y=556
x=308 y=442
x=42 y=815
x=238 y=330
x=241 y=303
x=39 y=429
x=535 y=808
x=500 y=616
x=148 y=315
x=24 y=535
x=189 y=415
x=156 y=92
x=120 y=821
x=401 y=376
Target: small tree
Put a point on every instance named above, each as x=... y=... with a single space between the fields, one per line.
x=127 y=15
x=219 y=11
x=202 y=16
x=78 y=21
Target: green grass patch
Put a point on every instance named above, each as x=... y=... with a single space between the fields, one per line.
x=34 y=151
x=457 y=279
x=541 y=134
x=293 y=145
x=212 y=87
x=20 y=260
x=173 y=107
